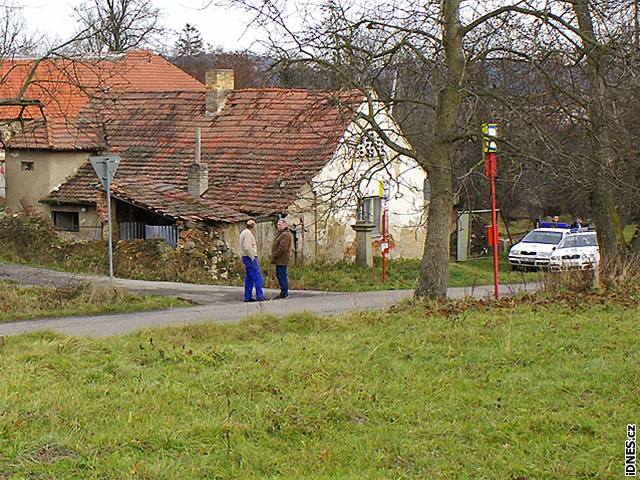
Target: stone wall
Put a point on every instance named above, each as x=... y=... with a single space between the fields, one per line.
x=208 y=247
x=202 y=255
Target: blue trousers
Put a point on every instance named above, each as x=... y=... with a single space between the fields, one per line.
x=281 y=273
x=252 y=277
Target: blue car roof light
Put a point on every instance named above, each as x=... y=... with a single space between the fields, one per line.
x=552 y=225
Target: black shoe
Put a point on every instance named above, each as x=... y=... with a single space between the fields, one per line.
x=282 y=295
x=250 y=300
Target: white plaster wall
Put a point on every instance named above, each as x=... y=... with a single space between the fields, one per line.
x=328 y=205
x=50 y=170
x=2 y=180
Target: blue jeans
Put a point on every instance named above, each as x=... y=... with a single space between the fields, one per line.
x=281 y=273
x=252 y=277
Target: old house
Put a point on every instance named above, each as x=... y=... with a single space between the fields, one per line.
x=213 y=155
x=45 y=143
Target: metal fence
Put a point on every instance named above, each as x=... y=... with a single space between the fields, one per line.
x=131 y=230
x=168 y=233
x=142 y=231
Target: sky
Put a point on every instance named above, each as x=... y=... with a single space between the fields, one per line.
x=218 y=26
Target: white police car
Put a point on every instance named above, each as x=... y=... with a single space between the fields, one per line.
x=535 y=249
x=578 y=250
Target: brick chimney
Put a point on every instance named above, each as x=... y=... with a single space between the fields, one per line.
x=198 y=178
x=219 y=85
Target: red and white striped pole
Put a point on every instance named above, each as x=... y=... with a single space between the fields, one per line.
x=384 y=245
x=490 y=147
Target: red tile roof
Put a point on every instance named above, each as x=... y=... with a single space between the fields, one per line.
x=171 y=201
x=152 y=132
x=65 y=87
x=265 y=145
x=268 y=143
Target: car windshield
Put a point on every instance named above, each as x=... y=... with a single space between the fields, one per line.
x=537 y=236
x=579 y=241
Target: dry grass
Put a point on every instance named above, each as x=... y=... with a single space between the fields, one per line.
x=617 y=276
x=18 y=302
x=622 y=274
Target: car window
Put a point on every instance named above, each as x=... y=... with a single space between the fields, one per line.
x=587 y=241
x=536 y=236
x=569 y=242
x=579 y=241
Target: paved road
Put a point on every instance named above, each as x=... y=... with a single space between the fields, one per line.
x=219 y=304
x=199 y=294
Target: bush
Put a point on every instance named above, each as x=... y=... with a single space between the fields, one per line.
x=619 y=275
x=575 y=281
x=622 y=274
x=200 y=257
x=28 y=238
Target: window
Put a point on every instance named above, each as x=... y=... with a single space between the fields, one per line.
x=537 y=236
x=588 y=240
x=569 y=242
x=26 y=166
x=371 y=211
x=66 y=221
x=573 y=241
x=370 y=148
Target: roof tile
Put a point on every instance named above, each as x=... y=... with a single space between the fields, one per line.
x=263 y=147
x=66 y=86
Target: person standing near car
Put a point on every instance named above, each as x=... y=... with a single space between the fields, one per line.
x=249 y=253
x=579 y=223
x=281 y=256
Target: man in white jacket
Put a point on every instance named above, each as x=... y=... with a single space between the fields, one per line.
x=249 y=253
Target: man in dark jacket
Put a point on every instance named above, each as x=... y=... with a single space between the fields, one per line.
x=281 y=255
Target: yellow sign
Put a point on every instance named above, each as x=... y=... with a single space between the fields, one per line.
x=489 y=134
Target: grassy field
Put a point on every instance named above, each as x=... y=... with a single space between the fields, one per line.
x=538 y=391
x=27 y=302
x=401 y=274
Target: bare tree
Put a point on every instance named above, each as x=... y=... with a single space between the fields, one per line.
x=32 y=76
x=446 y=58
x=118 y=25
x=584 y=112
x=15 y=38
x=601 y=133
x=429 y=45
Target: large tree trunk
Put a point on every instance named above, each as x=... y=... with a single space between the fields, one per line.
x=608 y=223
x=434 y=272
x=601 y=198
